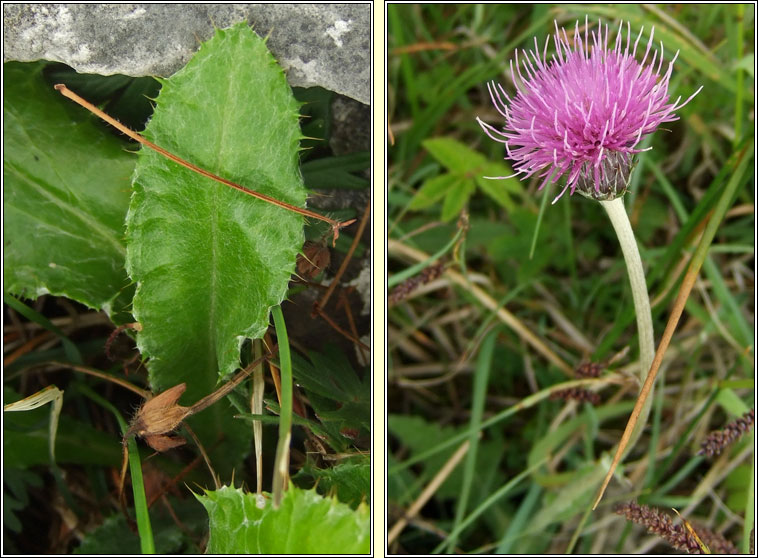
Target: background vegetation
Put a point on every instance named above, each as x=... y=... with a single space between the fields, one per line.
x=459 y=357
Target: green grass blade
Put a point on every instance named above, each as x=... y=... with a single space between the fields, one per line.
x=144 y=527
x=481 y=381
x=281 y=462
x=748 y=531
x=484 y=506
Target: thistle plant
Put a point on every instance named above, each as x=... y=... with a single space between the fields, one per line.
x=582 y=113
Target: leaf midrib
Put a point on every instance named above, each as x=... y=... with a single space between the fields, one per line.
x=220 y=149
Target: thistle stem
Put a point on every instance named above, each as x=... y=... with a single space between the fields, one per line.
x=620 y=221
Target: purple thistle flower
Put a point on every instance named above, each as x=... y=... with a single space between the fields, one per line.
x=583 y=113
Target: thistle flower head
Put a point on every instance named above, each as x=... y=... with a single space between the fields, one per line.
x=583 y=112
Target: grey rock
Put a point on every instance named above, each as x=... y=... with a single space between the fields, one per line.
x=325 y=45
x=352 y=126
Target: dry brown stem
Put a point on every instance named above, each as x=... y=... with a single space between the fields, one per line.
x=336 y=226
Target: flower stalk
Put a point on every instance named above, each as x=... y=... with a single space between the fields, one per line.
x=620 y=221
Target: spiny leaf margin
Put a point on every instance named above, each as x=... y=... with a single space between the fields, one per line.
x=305 y=523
